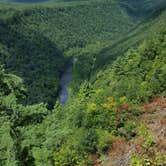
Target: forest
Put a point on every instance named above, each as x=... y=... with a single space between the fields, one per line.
x=116 y=97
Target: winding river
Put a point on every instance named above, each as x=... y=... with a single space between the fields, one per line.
x=64 y=82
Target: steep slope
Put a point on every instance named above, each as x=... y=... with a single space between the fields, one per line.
x=142 y=7
x=70 y=27
x=12 y=115
x=36 y=37
x=104 y=110
x=78 y=24
x=32 y=56
x=144 y=30
x=104 y=106
x=148 y=148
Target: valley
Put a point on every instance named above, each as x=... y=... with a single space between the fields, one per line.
x=76 y=77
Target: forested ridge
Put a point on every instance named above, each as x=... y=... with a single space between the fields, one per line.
x=118 y=54
x=54 y=29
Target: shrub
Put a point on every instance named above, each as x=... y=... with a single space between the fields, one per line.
x=128 y=130
x=104 y=141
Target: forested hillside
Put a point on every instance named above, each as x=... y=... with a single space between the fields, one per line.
x=31 y=32
x=117 y=52
x=142 y=7
x=64 y=30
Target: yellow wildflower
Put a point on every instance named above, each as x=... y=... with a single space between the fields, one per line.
x=110 y=99
x=92 y=106
x=130 y=61
x=105 y=105
x=123 y=99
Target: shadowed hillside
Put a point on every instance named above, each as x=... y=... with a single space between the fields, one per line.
x=115 y=111
x=37 y=37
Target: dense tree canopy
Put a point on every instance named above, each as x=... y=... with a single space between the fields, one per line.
x=119 y=62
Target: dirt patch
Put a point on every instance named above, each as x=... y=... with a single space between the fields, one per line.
x=156 y=105
x=156 y=122
x=121 y=153
x=154 y=119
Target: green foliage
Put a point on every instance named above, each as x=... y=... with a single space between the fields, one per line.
x=80 y=23
x=7 y=144
x=140 y=73
x=12 y=115
x=68 y=156
x=142 y=131
x=89 y=140
x=104 y=141
x=9 y=88
x=141 y=7
x=41 y=155
x=149 y=142
x=34 y=58
x=35 y=44
x=30 y=47
x=128 y=130
x=137 y=161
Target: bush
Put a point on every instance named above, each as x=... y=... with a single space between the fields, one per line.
x=89 y=140
x=104 y=141
x=129 y=129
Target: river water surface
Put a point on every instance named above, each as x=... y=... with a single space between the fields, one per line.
x=64 y=82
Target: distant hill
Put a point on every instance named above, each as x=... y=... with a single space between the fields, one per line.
x=142 y=7
x=118 y=54
x=37 y=37
x=68 y=27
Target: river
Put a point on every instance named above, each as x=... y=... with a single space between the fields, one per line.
x=64 y=83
